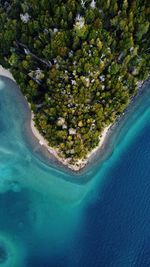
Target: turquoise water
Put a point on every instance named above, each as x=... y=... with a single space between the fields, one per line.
x=50 y=217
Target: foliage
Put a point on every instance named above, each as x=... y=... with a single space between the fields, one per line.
x=76 y=63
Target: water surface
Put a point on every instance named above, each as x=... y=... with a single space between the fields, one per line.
x=50 y=217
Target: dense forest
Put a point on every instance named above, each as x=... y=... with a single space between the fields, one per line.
x=78 y=62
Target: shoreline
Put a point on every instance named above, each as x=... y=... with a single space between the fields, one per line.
x=50 y=155
x=80 y=164
x=6 y=73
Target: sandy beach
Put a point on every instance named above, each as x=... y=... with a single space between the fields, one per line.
x=55 y=152
x=6 y=73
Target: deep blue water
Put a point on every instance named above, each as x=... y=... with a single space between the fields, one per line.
x=50 y=218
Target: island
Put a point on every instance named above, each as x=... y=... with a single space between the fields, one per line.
x=78 y=63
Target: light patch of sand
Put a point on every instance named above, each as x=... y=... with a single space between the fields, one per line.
x=6 y=73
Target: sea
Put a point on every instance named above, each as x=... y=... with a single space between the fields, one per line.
x=50 y=217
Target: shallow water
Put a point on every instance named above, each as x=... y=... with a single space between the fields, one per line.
x=50 y=218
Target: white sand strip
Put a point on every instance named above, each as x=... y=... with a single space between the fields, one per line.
x=6 y=73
